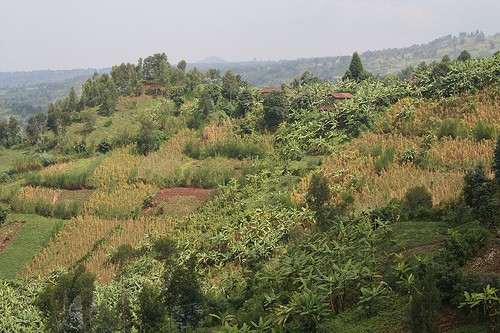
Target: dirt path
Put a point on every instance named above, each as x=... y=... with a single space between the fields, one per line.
x=8 y=232
x=422 y=248
x=487 y=261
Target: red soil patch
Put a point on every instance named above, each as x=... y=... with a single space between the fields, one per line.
x=164 y=194
x=8 y=232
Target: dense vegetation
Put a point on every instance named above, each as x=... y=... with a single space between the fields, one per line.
x=374 y=213
x=24 y=94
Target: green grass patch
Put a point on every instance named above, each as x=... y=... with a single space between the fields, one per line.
x=471 y=328
x=34 y=235
x=231 y=147
x=410 y=234
x=390 y=318
x=7 y=156
x=207 y=173
x=76 y=177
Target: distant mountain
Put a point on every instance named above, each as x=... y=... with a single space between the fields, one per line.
x=212 y=60
x=382 y=62
x=31 y=78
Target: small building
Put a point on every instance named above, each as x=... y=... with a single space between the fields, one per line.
x=333 y=97
x=339 y=96
x=267 y=90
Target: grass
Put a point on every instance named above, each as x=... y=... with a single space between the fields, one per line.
x=34 y=235
x=390 y=318
x=411 y=234
x=471 y=328
x=178 y=206
x=72 y=175
x=7 y=156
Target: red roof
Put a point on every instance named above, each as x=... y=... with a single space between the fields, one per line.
x=266 y=90
x=341 y=95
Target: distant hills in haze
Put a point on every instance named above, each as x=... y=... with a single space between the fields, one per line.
x=212 y=60
x=25 y=93
x=274 y=73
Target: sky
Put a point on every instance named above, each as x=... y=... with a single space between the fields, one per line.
x=68 y=34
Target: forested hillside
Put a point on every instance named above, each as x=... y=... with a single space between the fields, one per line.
x=167 y=199
x=381 y=62
x=25 y=93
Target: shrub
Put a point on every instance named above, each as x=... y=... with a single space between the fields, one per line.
x=382 y=163
x=484 y=131
x=463 y=247
x=3 y=215
x=390 y=212
x=318 y=193
x=80 y=147
x=478 y=192
x=104 y=146
x=193 y=149
x=424 y=303
x=417 y=202
x=450 y=127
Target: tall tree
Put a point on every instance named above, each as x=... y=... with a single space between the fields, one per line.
x=496 y=161
x=72 y=101
x=275 y=109
x=229 y=86
x=13 y=131
x=356 y=70
x=35 y=127
x=464 y=55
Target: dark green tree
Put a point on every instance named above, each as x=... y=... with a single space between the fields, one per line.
x=193 y=78
x=3 y=132
x=417 y=202
x=73 y=323
x=177 y=96
x=182 y=65
x=125 y=78
x=152 y=309
x=183 y=298
x=496 y=162
x=13 y=131
x=356 y=70
x=55 y=301
x=3 y=215
x=478 y=194
x=149 y=137
x=245 y=102
x=230 y=86
x=275 y=109
x=425 y=300
x=71 y=102
x=446 y=59
x=35 y=127
x=318 y=193
x=106 y=318
x=464 y=56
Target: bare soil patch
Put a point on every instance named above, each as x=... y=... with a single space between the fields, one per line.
x=450 y=319
x=178 y=200
x=8 y=232
x=487 y=261
x=422 y=248
x=165 y=194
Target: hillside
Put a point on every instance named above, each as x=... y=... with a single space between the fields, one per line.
x=26 y=93
x=166 y=200
x=381 y=62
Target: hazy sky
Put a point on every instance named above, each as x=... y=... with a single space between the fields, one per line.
x=65 y=34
